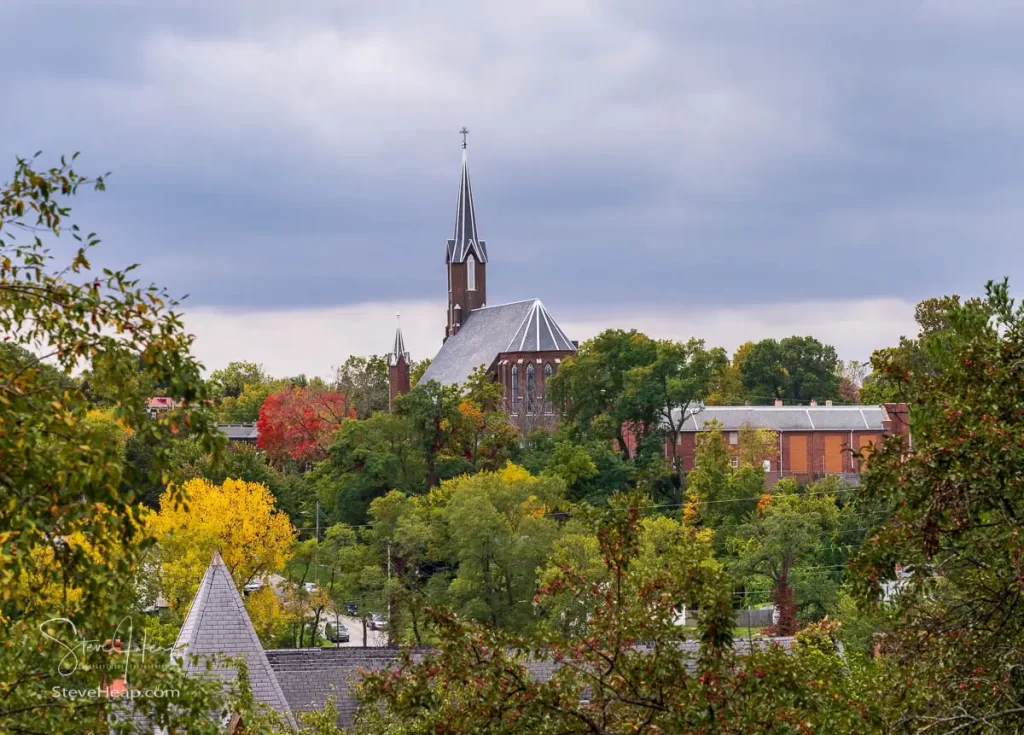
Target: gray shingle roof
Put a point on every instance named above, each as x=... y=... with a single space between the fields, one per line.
x=789 y=418
x=217 y=625
x=465 y=239
x=522 y=326
x=239 y=432
x=309 y=676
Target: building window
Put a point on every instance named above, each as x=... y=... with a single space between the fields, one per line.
x=735 y=461
x=531 y=389
x=515 y=389
x=734 y=437
x=470 y=273
x=547 y=377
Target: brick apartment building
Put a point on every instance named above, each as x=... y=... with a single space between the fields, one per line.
x=813 y=441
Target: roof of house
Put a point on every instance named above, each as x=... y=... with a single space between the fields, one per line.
x=309 y=676
x=239 y=432
x=217 y=627
x=522 y=326
x=465 y=239
x=788 y=418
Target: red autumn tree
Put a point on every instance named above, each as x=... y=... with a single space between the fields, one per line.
x=299 y=423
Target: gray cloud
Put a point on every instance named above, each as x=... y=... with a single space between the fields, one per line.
x=660 y=155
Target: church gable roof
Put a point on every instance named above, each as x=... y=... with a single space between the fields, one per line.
x=539 y=333
x=522 y=326
x=217 y=625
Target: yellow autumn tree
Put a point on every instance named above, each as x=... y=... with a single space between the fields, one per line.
x=237 y=517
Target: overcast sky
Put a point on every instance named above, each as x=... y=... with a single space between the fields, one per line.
x=730 y=170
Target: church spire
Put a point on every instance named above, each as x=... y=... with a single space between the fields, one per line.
x=466 y=257
x=399 y=364
x=398 y=352
x=465 y=240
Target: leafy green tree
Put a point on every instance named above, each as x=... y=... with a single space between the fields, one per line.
x=71 y=541
x=673 y=387
x=783 y=540
x=956 y=498
x=626 y=671
x=591 y=386
x=433 y=411
x=364 y=383
x=499 y=533
x=368 y=458
x=794 y=369
x=245 y=409
x=560 y=455
x=417 y=369
x=726 y=388
x=230 y=381
x=893 y=366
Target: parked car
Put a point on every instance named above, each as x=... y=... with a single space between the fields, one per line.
x=350 y=608
x=336 y=633
x=252 y=586
x=310 y=587
x=378 y=621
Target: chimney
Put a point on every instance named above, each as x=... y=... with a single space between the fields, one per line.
x=828 y=403
x=778 y=403
x=813 y=403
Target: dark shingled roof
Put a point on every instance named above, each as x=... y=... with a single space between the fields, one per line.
x=789 y=418
x=465 y=239
x=217 y=625
x=522 y=326
x=309 y=676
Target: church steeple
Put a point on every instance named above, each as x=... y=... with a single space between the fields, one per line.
x=466 y=256
x=398 y=366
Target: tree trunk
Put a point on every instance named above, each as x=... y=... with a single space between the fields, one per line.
x=415 y=626
x=785 y=602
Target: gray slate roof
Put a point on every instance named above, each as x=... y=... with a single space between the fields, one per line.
x=309 y=676
x=239 y=432
x=217 y=625
x=522 y=326
x=789 y=418
x=465 y=239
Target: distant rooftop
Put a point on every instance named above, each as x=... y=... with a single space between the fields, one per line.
x=522 y=326
x=789 y=418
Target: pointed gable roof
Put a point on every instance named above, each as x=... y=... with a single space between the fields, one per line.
x=398 y=351
x=465 y=239
x=539 y=333
x=522 y=326
x=218 y=625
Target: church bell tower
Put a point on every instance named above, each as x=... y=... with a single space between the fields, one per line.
x=466 y=256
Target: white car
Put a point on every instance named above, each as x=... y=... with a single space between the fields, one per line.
x=252 y=586
x=310 y=587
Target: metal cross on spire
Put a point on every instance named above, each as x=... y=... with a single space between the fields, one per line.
x=464 y=132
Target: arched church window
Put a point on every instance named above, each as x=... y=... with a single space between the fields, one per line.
x=531 y=389
x=515 y=389
x=547 y=377
x=470 y=272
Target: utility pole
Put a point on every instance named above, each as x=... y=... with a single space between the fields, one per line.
x=388 y=626
x=316 y=557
